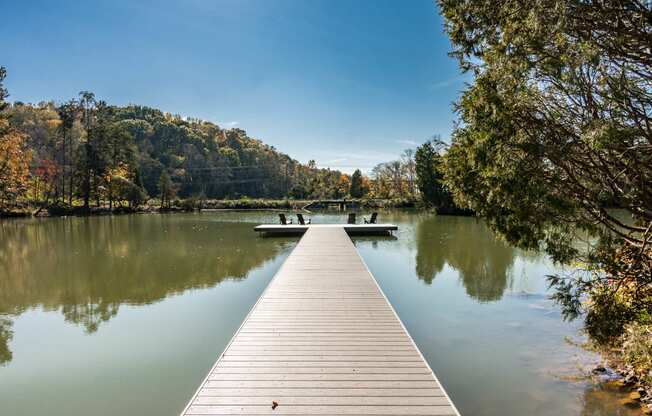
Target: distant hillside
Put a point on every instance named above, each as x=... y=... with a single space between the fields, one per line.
x=86 y=149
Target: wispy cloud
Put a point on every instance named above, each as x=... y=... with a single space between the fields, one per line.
x=362 y=156
x=347 y=162
x=227 y=124
x=342 y=159
x=407 y=142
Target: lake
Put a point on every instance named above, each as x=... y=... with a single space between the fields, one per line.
x=126 y=314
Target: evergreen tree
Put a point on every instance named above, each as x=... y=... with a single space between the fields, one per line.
x=430 y=177
x=555 y=129
x=166 y=190
x=356 y=190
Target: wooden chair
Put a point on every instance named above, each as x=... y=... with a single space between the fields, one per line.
x=372 y=219
x=351 y=219
x=302 y=221
x=284 y=220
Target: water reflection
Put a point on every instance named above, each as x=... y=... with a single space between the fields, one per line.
x=482 y=261
x=495 y=358
x=88 y=267
x=5 y=336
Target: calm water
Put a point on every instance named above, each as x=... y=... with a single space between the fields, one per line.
x=125 y=315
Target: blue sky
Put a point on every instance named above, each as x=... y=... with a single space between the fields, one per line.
x=349 y=83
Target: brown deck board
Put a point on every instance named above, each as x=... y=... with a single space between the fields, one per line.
x=322 y=339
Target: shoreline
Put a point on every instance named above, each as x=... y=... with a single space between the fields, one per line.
x=617 y=374
x=29 y=210
x=191 y=205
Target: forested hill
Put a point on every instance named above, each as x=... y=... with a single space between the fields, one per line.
x=86 y=150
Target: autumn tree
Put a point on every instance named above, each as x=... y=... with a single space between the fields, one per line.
x=396 y=178
x=14 y=164
x=14 y=156
x=343 y=185
x=409 y=170
x=40 y=126
x=119 y=160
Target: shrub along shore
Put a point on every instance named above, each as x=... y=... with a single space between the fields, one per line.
x=194 y=204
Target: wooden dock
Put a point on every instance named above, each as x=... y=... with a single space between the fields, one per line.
x=294 y=229
x=321 y=340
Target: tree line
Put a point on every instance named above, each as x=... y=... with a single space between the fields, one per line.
x=417 y=176
x=88 y=153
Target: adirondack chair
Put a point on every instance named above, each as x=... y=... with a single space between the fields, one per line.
x=372 y=219
x=302 y=221
x=351 y=219
x=284 y=220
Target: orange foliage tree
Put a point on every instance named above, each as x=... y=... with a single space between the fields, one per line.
x=14 y=165
x=14 y=156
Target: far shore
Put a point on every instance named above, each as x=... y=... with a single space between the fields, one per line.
x=193 y=204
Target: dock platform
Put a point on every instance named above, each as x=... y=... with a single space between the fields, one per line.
x=297 y=229
x=321 y=340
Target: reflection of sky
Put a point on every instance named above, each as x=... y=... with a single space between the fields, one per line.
x=528 y=275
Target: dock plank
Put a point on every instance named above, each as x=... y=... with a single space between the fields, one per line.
x=322 y=400
x=359 y=410
x=350 y=228
x=283 y=393
x=322 y=339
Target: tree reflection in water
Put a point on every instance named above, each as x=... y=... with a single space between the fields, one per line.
x=483 y=262
x=87 y=267
x=6 y=335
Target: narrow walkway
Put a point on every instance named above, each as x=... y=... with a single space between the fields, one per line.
x=322 y=339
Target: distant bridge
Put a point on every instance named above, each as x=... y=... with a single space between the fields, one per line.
x=341 y=204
